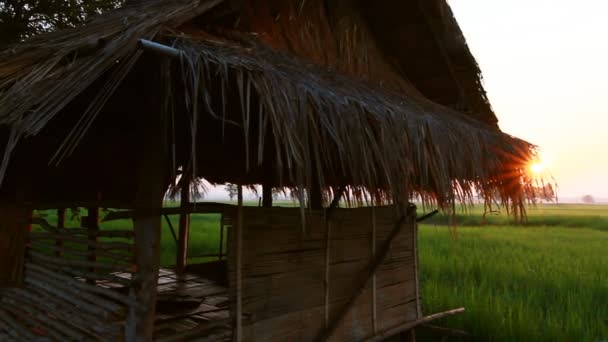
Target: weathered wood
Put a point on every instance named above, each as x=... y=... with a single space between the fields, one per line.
x=415 y=248
x=71 y=282
x=78 y=293
x=152 y=181
x=81 y=240
x=92 y=225
x=283 y=272
x=184 y=230
x=76 y=273
x=196 y=332
x=445 y=331
x=65 y=311
x=73 y=322
x=90 y=265
x=60 y=226
x=221 y=247
x=126 y=234
x=361 y=283
x=381 y=336
x=408 y=336
x=239 y=267
x=14 y=225
x=57 y=329
x=20 y=330
x=374 y=285
x=79 y=303
x=327 y=268
x=192 y=208
x=61 y=251
x=267 y=195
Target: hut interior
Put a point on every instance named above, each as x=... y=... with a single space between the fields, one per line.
x=358 y=106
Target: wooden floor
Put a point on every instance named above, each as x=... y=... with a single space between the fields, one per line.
x=189 y=308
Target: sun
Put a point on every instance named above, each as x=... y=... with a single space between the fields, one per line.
x=537 y=167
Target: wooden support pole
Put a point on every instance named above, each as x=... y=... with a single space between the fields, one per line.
x=221 y=247
x=60 y=225
x=152 y=184
x=362 y=281
x=184 y=230
x=266 y=195
x=374 y=289
x=92 y=225
x=14 y=226
x=327 y=266
x=315 y=197
x=239 y=266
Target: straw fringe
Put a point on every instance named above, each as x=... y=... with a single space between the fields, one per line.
x=334 y=107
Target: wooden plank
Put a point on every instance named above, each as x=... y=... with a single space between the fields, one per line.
x=285 y=282
x=381 y=336
x=192 y=208
x=360 y=284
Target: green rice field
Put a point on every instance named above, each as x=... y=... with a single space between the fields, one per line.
x=546 y=280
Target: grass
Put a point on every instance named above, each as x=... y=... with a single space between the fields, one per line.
x=543 y=281
x=518 y=284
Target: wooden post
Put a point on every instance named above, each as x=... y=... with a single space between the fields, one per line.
x=327 y=266
x=60 y=225
x=267 y=196
x=374 y=287
x=92 y=225
x=315 y=197
x=152 y=181
x=14 y=226
x=221 y=247
x=239 y=265
x=184 y=230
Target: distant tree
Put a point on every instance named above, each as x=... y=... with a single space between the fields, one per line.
x=20 y=19
x=588 y=199
x=232 y=189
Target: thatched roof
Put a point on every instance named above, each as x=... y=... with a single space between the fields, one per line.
x=277 y=92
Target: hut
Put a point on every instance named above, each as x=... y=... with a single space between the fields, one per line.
x=375 y=103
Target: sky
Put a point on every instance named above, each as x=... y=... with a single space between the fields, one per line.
x=545 y=67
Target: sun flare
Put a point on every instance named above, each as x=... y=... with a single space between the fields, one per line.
x=537 y=167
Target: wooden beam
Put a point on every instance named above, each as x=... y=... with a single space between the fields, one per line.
x=362 y=281
x=191 y=208
x=381 y=336
x=184 y=230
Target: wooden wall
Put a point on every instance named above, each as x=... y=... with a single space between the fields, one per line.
x=66 y=292
x=294 y=283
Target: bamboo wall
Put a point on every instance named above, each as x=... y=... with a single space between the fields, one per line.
x=294 y=283
x=66 y=294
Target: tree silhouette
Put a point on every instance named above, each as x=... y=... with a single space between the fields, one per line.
x=20 y=19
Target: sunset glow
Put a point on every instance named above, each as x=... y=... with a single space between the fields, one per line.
x=537 y=168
